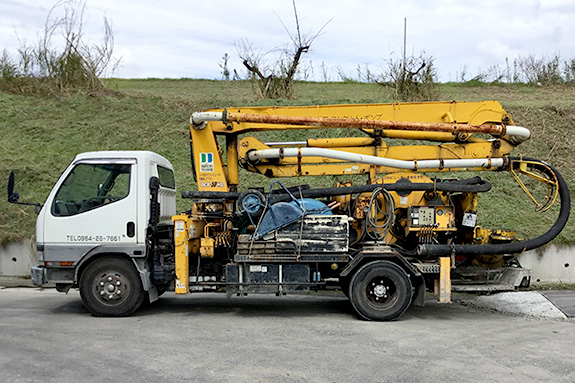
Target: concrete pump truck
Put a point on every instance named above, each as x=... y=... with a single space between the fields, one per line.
x=110 y=228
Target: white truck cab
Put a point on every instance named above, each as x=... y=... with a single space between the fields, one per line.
x=101 y=206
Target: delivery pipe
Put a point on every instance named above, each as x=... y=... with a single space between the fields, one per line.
x=437 y=250
x=256 y=155
x=516 y=134
x=470 y=185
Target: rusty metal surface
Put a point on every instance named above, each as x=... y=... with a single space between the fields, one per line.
x=453 y=128
x=321 y=238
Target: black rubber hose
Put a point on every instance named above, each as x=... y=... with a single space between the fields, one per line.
x=515 y=247
x=209 y=195
x=470 y=185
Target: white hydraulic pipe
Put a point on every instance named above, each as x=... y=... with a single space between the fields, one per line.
x=198 y=118
x=374 y=160
x=518 y=134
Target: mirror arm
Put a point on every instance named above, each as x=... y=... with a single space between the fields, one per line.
x=37 y=206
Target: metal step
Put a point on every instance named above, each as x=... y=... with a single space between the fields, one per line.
x=482 y=288
x=491 y=280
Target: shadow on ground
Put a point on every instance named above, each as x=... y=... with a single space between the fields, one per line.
x=263 y=306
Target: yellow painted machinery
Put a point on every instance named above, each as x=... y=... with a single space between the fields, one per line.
x=384 y=239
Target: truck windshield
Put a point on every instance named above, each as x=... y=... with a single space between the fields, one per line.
x=90 y=186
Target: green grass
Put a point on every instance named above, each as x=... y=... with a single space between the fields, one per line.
x=551 y=286
x=40 y=135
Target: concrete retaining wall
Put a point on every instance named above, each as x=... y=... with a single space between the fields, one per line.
x=551 y=264
x=17 y=258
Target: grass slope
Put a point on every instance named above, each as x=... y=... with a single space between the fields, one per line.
x=41 y=135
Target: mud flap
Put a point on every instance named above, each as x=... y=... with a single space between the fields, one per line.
x=418 y=291
x=38 y=275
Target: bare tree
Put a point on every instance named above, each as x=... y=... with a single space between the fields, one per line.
x=275 y=79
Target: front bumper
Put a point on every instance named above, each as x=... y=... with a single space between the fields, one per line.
x=38 y=274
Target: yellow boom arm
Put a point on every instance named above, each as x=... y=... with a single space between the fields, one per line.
x=471 y=136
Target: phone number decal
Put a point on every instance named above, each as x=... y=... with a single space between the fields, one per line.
x=93 y=238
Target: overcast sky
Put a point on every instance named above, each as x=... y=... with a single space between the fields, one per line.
x=188 y=38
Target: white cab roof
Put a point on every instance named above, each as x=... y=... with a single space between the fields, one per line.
x=140 y=155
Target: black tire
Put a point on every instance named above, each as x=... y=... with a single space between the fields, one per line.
x=111 y=287
x=380 y=291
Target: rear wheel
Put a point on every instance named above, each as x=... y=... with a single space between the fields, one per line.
x=111 y=286
x=380 y=291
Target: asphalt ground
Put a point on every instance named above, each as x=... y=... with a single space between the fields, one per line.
x=47 y=336
x=563 y=300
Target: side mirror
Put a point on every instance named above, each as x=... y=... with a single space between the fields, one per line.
x=12 y=197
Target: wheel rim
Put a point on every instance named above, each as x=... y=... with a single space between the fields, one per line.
x=381 y=292
x=111 y=287
x=252 y=203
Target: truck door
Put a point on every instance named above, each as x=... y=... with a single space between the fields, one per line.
x=95 y=205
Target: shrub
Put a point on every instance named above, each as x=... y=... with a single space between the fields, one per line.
x=414 y=79
x=540 y=70
x=61 y=61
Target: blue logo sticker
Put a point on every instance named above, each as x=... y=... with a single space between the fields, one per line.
x=207 y=162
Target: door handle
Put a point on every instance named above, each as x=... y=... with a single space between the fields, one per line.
x=131 y=229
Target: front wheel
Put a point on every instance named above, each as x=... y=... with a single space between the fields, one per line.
x=380 y=291
x=111 y=286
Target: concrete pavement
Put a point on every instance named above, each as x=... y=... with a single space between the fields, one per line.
x=50 y=337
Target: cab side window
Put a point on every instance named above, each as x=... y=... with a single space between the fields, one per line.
x=166 y=177
x=90 y=186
